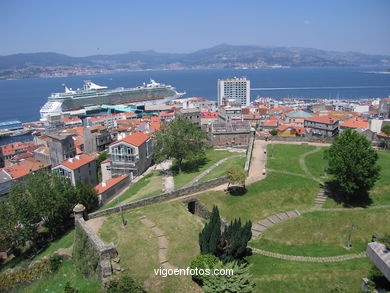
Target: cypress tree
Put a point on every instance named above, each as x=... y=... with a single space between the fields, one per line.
x=210 y=236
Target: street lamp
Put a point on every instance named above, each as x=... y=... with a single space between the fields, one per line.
x=353 y=227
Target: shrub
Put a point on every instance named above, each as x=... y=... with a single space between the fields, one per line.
x=69 y=289
x=203 y=261
x=55 y=262
x=124 y=284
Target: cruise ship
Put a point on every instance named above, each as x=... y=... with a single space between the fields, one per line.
x=92 y=94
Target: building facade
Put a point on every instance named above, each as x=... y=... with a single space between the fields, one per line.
x=81 y=168
x=61 y=148
x=130 y=155
x=96 y=139
x=322 y=126
x=234 y=90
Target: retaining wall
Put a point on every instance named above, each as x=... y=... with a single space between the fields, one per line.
x=94 y=248
x=162 y=197
x=249 y=154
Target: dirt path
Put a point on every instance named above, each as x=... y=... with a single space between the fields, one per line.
x=258 y=162
x=95 y=224
x=303 y=166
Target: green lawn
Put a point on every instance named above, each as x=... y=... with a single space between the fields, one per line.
x=138 y=248
x=380 y=194
x=282 y=276
x=221 y=169
x=316 y=164
x=150 y=185
x=54 y=283
x=212 y=156
x=286 y=157
x=276 y=193
x=325 y=233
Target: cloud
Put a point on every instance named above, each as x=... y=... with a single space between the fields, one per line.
x=307 y=22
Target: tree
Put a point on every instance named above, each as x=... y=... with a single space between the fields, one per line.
x=386 y=129
x=210 y=236
x=236 y=174
x=352 y=161
x=102 y=156
x=234 y=241
x=239 y=281
x=203 y=261
x=86 y=195
x=273 y=132
x=178 y=139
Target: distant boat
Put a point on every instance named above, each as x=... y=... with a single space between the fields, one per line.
x=21 y=132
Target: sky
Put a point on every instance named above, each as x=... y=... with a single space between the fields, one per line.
x=89 y=27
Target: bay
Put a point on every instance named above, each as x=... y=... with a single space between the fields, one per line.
x=22 y=99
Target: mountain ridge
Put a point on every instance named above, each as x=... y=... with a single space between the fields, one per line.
x=46 y=64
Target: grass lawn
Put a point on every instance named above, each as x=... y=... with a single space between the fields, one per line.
x=221 y=169
x=138 y=247
x=212 y=156
x=276 y=193
x=380 y=194
x=282 y=276
x=316 y=164
x=54 y=283
x=148 y=186
x=286 y=157
x=325 y=233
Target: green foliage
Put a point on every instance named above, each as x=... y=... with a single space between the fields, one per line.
x=385 y=240
x=273 y=132
x=178 y=139
x=69 y=289
x=228 y=246
x=55 y=262
x=44 y=202
x=86 y=195
x=102 y=156
x=386 y=129
x=239 y=281
x=236 y=174
x=210 y=236
x=85 y=256
x=352 y=161
x=203 y=261
x=124 y=284
x=23 y=274
x=234 y=241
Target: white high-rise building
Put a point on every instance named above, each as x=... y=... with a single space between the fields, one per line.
x=234 y=90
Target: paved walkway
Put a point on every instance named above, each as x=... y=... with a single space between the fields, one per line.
x=309 y=258
x=208 y=170
x=165 y=167
x=261 y=226
x=162 y=243
x=258 y=161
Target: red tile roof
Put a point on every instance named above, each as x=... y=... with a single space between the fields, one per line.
x=287 y=126
x=155 y=119
x=355 y=123
x=208 y=115
x=155 y=125
x=77 y=162
x=72 y=120
x=270 y=123
x=16 y=171
x=104 y=186
x=136 y=139
x=32 y=164
x=322 y=119
x=10 y=149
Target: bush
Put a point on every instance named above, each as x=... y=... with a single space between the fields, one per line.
x=203 y=261
x=124 y=284
x=69 y=289
x=55 y=262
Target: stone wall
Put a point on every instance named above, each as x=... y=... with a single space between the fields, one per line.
x=110 y=193
x=249 y=154
x=300 y=139
x=162 y=197
x=89 y=251
x=380 y=256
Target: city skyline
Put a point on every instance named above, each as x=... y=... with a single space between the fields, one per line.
x=98 y=27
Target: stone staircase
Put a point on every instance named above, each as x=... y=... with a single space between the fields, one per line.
x=263 y=225
x=321 y=198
